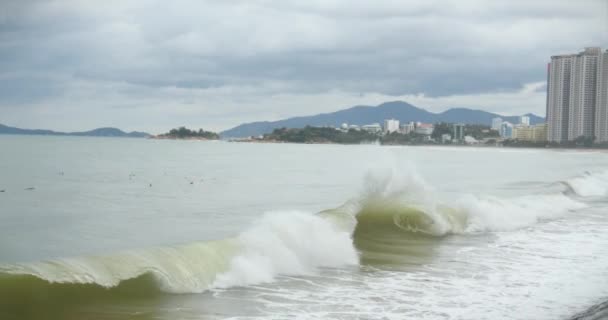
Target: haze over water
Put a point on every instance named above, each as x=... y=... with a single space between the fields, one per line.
x=152 y=229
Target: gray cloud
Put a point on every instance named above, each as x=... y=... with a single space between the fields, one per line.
x=226 y=62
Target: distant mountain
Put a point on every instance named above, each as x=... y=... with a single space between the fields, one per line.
x=110 y=132
x=361 y=115
x=100 y=132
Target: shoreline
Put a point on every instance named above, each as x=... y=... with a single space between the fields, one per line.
x=423 y=145
x=184 y=138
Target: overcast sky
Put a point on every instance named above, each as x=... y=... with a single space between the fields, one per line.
x=155 y=65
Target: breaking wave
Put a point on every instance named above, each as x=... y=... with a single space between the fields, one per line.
x=589 y=184
x=396 y=216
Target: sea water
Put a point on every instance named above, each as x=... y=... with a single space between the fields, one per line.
x=109 y=228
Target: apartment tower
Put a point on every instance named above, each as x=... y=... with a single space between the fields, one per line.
x=601 y=106
x=575 y=93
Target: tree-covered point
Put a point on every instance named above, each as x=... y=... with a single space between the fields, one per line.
x=183 y=133
x=320 y=135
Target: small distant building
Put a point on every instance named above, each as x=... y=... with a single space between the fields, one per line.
x=373 y=128
x=344 y=126
x=496 y=124
x=470 y=140
x=391 y=125
x=458 y=132
x=445 y=138
x=524 y=120
x=407 y=128
x=506 y=130
x=424 y=129
x=354 y=127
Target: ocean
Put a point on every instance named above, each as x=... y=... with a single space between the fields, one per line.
x=118 y=228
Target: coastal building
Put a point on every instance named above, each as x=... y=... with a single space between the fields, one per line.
x=539 y=133
x=373 y=128
x=583 y=93
x=354 y=127
x=407 y=128
x=524 y=120
x=458 y=132
x=575 y=96
x=523 y=133
x=506 y=130
x=558 y=97
x=536 y=133
x=445 y=138
x=470 y=140
x=496 y=123
x=424 y=129
x=601 y=107
x=391 y=125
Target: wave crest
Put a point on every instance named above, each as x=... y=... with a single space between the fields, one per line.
x=589 y=184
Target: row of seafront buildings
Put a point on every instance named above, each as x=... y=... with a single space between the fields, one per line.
x=391 y=126
x=420 y=128
x=577 y=96
x=521 y=131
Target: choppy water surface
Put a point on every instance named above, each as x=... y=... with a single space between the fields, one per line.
x=95 y=228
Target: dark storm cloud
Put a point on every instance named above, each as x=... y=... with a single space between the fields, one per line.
x=59 y=51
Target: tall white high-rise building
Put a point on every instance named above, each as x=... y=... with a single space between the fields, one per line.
x=558 y=97
x=524 y=120
x=391 y=125
x=583 y=93
x=574 y=96
x=601 y=106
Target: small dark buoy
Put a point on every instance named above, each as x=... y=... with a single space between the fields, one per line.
x=2 y=190
x=191 y=182
x=29 y=189
x=150 y=185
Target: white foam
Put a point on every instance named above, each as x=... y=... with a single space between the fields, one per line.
x=287 y=243
x=590 y=185
x=495 y=214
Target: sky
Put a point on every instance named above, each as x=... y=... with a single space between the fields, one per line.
x=154 y=65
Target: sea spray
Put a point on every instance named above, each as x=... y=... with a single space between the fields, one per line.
x=287 y=243
x=405 y=200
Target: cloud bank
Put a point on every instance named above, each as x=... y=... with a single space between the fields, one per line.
x=153 y=65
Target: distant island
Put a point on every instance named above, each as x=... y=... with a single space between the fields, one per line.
x=100 y=132
x=185 y=133
x=362 y=115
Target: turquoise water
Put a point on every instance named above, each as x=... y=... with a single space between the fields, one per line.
x=105 y=228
